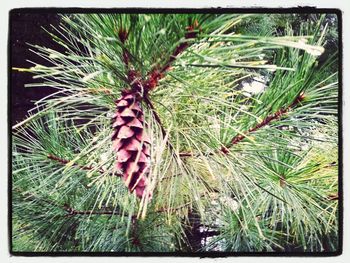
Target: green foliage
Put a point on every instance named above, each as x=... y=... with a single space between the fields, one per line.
x=273 y=188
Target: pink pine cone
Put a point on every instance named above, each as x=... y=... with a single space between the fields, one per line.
x=131 y=143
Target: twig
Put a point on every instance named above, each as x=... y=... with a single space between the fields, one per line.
x=64 y=161
x=186 y=154
x=133 y=76
x=238 y=138
x=158 y=73
x=72 y=212
x=123 y=35
x=333 y=197
x=278 y=114
x=82 y=167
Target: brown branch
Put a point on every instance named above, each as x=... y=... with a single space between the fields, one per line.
x=82 y=167
x=238 y=138
x=333 y=197
x=186 y=154
x=64 y=161
x=158 y=72
x=123 y=36
x=152 y=78
x=133 y=76
x=275 y=116
x=72 y=212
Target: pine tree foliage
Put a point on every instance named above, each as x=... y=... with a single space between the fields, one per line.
x=259 y=167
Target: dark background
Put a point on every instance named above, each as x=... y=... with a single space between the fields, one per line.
x=27 y=28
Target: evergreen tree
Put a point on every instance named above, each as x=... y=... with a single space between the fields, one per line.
x=176 y=132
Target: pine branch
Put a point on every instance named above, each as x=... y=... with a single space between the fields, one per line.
x=99 y=69
x=64 y=161
x=238 y=138
x=275 y=116
x=82 y=167
x=123 y=35
x=133 y=77
x=152 y=78
x=72 y=212
x=333 y=197
x=158 y=73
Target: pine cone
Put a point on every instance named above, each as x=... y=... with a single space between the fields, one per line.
x=131 y=143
